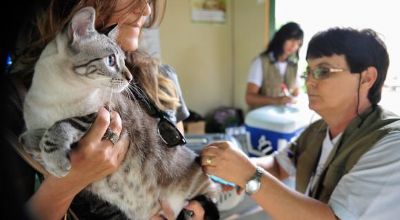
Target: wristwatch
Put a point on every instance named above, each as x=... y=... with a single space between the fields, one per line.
x=254 y=183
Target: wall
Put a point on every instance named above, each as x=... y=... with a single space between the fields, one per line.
x=212 y=60
x=250 y=31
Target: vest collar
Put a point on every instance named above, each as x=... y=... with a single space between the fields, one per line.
x=291 y=60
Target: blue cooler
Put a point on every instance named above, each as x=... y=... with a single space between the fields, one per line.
x=273 y=127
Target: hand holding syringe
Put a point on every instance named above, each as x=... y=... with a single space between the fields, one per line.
x=287 y=96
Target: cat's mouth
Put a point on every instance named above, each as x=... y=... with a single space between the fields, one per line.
x=118 y=85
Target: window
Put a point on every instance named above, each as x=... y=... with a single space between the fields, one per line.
x=381 y=16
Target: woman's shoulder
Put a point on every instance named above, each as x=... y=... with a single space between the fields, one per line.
x=11 y=91
x=7 y=82
x=257 y=60
x=167 y=70
x=12 y=102
x=21 y=178
x=317 y=127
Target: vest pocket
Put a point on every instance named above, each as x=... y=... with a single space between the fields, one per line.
x=272 y=89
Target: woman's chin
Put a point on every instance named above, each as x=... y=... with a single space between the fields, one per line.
x=130 y=46
x=312 y=105
x=128 y=42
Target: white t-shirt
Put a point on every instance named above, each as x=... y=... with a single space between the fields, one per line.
x=255 y=72
x=281 y=67
x=371 y=189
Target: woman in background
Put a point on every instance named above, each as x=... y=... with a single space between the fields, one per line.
x=273 y=78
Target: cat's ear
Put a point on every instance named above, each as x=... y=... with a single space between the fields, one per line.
x=82 y=24
x=113 y=33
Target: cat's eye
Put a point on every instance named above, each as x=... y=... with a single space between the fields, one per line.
x=111 y=61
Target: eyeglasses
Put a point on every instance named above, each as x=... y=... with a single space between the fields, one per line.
x=321 y=72
x=167 y=130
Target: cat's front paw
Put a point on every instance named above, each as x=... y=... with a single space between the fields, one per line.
x=30 y=141
x=57 y=163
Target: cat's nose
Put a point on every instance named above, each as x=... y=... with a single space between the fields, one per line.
x=128 y=75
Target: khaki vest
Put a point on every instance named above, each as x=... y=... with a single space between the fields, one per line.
x=272 y=79
x=357 y=139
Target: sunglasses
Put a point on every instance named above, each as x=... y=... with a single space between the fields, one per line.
x=167 y=130
x=321 y=72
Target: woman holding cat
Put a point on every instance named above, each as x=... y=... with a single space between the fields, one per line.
x=94 y=157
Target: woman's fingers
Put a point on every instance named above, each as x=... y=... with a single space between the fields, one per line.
x=114 y=130
x=99 y=126
x=120 y=149
x=116 y=123
x=105 y=129
x=121 y=146
x=225 y=161
x=213 y=153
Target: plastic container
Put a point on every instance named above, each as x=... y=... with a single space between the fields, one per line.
x=273 y=127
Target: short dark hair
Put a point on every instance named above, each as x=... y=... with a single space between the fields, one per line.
x=361 y=48
x=290 y=30
x=210 y=208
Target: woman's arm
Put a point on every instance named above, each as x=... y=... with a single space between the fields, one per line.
x=270 y=164
x=254 y=99
x=279 y=201
x=93 y=159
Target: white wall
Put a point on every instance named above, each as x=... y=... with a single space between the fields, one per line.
x=212 y=60
x=250 y=22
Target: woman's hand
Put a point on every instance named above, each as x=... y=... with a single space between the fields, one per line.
x=283 y=100
x=95 y=157
x=223 y=160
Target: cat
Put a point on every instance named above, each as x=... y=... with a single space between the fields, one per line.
x=75 y=75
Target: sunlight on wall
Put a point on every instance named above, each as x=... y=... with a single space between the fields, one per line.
x=381 y=16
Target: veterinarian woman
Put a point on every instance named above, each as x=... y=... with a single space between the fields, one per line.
x=347 y=163
x=94 y=157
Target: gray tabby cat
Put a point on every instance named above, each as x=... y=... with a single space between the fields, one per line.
x=74 y=77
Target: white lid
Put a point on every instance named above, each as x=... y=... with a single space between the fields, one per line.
x=284 y=119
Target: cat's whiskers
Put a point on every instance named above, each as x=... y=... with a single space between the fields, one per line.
x=110 y=99
x=129 y=93
x=140 y=93
x=136 y=88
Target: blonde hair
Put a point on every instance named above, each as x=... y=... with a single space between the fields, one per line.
x=146 y=73
x=55 y=18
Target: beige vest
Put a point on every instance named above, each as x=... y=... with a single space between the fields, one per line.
x=272 y=79
x=357 y=139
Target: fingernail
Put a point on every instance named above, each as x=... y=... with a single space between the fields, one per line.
x=106 y=106
x=113 y=114
x=101 y=109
